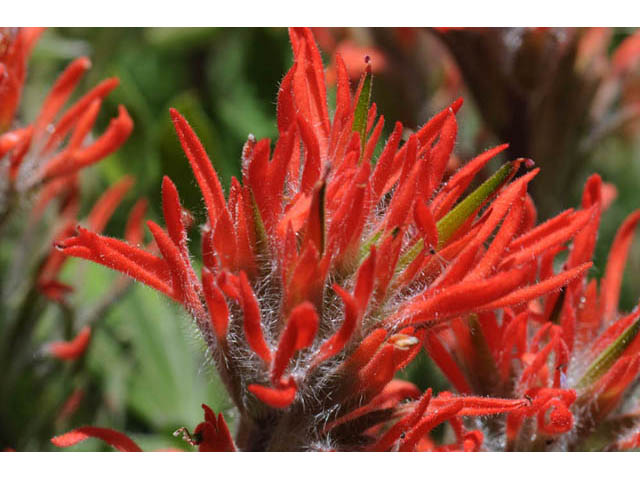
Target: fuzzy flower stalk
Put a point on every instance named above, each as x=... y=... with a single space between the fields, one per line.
x=326 y=271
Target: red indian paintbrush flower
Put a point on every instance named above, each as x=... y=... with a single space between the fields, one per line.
x=33 y=155
x=324 y=272
x=569 y=352
x=37 y=156
x=40 y=164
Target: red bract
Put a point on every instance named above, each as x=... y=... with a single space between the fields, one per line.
x=116 y=439
x=72 y=349
x=15 y=47
x=324 y=273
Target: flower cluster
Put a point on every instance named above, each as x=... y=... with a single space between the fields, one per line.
x=326 y=272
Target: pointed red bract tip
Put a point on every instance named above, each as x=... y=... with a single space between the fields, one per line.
x=339 y=339
x=73 y=114
x=172 y=212
x=60 y=92
x=114 y=136
x=252 y=320
x=426 y=224
x=72 y=349
x=275 y=397
x=201 y=166
x=298 y=334
x=54 y=290
x=216 y=304
x=116 y=439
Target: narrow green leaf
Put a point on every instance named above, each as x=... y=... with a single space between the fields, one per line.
x=362 y=107
x=449 y=224
x=261 y=232
x=366 y=246
x=609 y=356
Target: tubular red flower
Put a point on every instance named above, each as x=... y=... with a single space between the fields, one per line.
x=460 y=298
x=131 y=261
x=442 y=151
x=181 y=280
x=560 y=419
x=309 y=88
x=377 y=372
x=479 y=406
x=446 y=363
x=172 y=211
x=460 y=180
x=84 y=125
x=541 y=231
x=551 y=240
x=13 y=62
x=365 y=281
